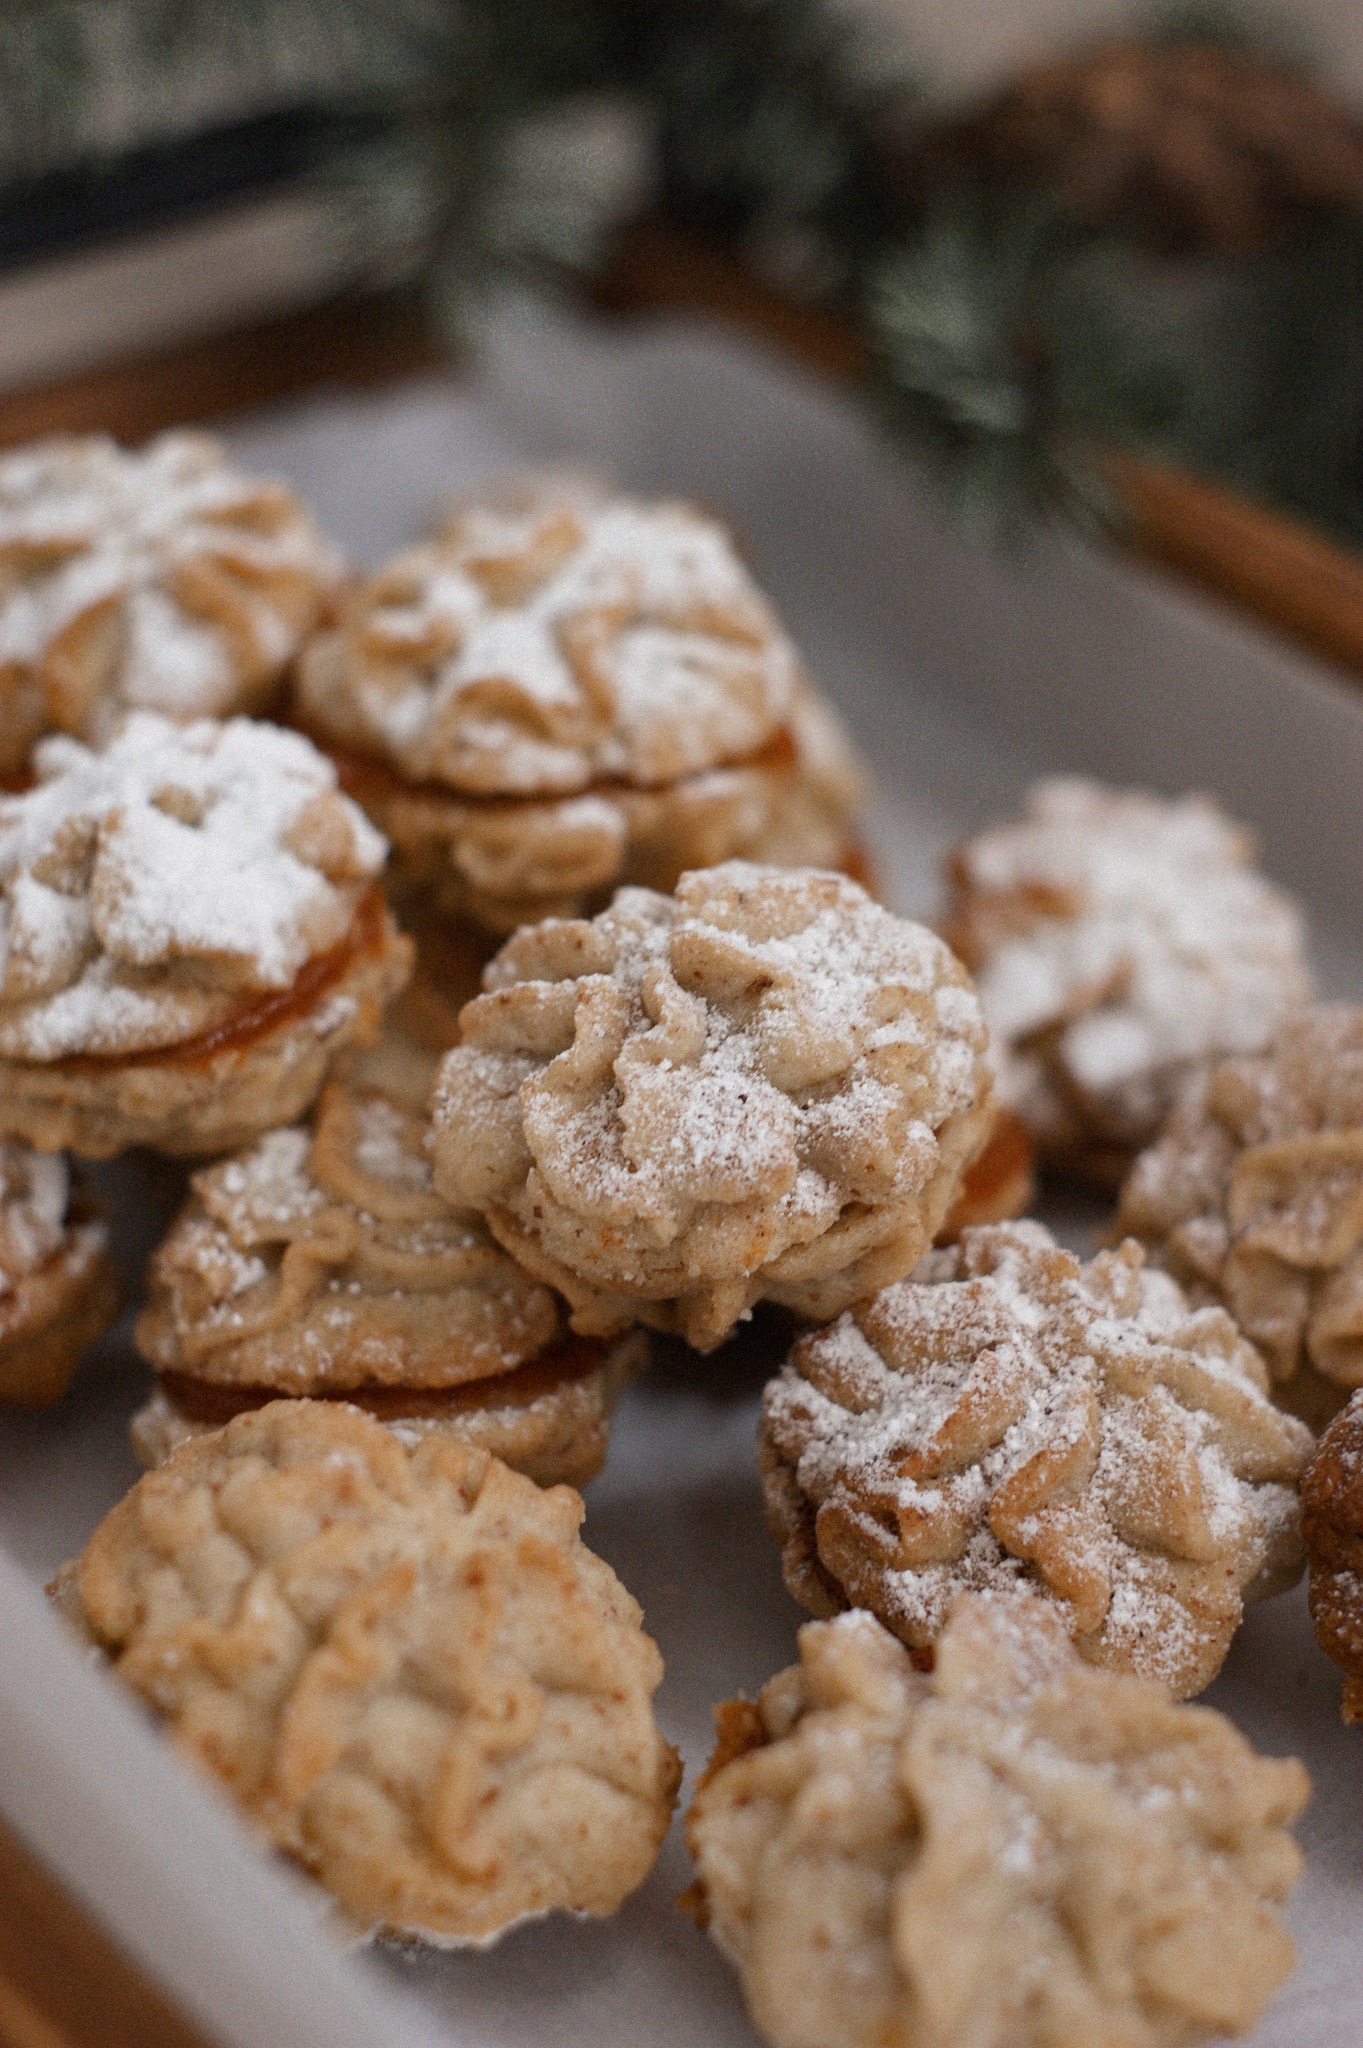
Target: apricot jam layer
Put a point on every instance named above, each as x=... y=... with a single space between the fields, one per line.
x=263 y=1014
x=569 y=1358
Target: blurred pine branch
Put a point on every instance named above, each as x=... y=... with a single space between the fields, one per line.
x=1156 y=244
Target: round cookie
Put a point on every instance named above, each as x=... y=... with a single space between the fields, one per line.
x=565 y=692
x=323 y=1263
x=58 y=1287
x=1009 y=1417
x=1119 y=941
x=1013 y=1852
x=403 y=1665
x=155 y=578
x=1253 y=1196
x=192 y=932
x=765 y=1087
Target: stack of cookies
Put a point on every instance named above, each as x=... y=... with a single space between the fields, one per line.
x=560 y=693
x=518 y=991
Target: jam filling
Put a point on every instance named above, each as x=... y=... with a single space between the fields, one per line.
x=268 y=1012
x=568 y=1358
x=1001 y=1166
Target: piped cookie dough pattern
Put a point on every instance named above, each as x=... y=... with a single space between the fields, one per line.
x=765 y=1087
x=403 y=1665
x=1009 y=1417
x=1118 y=941
x=191 y=931
x=1253 y=1196
x=58 y=1288
x=1014 y=1852
x=323 y=1263
x=565 y=692
x=1332 y=1524
x=155 y=578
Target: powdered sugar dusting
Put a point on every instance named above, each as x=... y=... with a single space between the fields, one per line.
x=86 y=524
x=749 y=1055
x=1253 y=1195
x=34 y=1190
x=1136 y=928
x=558 y=638
x=179 y=862
x=1016 y=1416
x=715 y=1081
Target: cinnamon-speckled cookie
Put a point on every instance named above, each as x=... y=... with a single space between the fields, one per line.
x=564 y=692
x=192 y=931
x=404 y=1666
x=765 y=1087
x=1017 y=1851
x=155 y=578
x=1010 y=1417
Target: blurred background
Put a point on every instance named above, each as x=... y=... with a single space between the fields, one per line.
x=1045 y=240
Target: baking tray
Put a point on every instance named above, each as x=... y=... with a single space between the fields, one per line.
x=962 y=676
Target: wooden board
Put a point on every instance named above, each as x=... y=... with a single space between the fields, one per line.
x=352 y=340
x=62 y=1982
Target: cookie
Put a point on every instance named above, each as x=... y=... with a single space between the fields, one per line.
x=1253 y=1196
x=764 y=1087
x=58 y=1287
x=1011 y=1417
x=1014 y=1852
x=155 y=578
x=565 y=692
x=193 y=932
x=1119 y=941
x=404 y=1666
x=321 y=1262
x=999 y=1184
x=1332 y=1524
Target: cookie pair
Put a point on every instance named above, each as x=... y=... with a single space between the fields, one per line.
x=1121 y=943
x=321 y=1262
x=192 y=933
x=154 y=579
x=564 y=692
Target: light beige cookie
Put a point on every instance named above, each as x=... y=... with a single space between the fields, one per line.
x=1253 y=1196
x=322 y=1262
x=765 y=1087
x=550 y=1419
x=565 y=692
x=1119 y=941
x=403 y=1665
x=155 y=578
x=1009 y=1417
x=192 y=933
x=58 y=1287
x=1015 y=1852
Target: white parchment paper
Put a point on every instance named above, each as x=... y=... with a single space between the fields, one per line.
x=962 y=677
